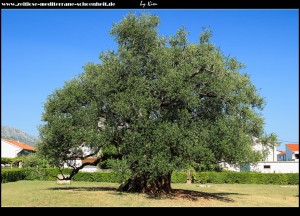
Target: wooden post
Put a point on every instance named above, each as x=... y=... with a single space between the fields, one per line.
x=189 y=177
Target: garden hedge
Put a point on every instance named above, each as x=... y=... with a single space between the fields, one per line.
x=12 y=175
x=48 y=174
x=246 y=178
x=178 y=177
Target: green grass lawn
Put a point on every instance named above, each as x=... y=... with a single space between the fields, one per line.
x=48 y=193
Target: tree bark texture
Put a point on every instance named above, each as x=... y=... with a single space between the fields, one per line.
x=140 y=184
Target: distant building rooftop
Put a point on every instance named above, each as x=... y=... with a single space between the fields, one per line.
x=20 y=144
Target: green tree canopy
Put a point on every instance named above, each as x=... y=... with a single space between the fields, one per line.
x=160 y=103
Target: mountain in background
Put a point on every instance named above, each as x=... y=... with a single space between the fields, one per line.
x=16 y=134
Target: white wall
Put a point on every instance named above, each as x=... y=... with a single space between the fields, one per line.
x=276 y=167
x=272 y=156
x=86 y=150
x=296 y=152
x=8 y=150
x=272 y=153
x=229 y=167
x=289 y=154
x=281 y=157
x=89 y=168
x=76 y=163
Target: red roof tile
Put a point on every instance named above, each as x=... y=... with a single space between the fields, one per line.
x=89 y=160
x=21 y=145
x=293 y=147
x=281 y=152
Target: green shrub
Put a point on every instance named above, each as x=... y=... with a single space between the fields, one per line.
x=49 y=174
x=98 y=177
x=242 y=178
x=120 y=168
x=200 y=177
x=292 y=178
x=44 y=174
x=12 y=175
x=179 y=177
x=277 y=179
x=246 y=178
x=34 y=160
x=6 y=160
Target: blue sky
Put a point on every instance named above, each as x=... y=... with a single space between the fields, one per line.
x=41 y=49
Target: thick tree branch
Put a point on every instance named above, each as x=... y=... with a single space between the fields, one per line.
x=79 y=155
x=89 y=155
x=76 y=169
x=207 y=95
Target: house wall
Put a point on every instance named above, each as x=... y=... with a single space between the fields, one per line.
x=296 y=152
x=229 y=167
x=89 y=169
x=8 y=150
x=276 y=167
x=86 y=150
x=76 y=163
x=281 y=157
x=289 y=155
x=272 y=156
x=272 y=153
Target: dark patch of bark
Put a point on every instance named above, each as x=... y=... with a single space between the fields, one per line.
x=140 y=184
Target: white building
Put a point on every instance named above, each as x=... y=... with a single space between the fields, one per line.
x=269 y=152
x=229 y=167
x=278 y=161
x=292 y=152
x=275 y=161
x=79 y=162
x=275 y=167
x=13 y=149
x=281 y=156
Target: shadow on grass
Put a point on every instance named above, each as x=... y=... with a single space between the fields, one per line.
x=118 y=193
x=177 y=193
x=195 y=195
x=84 y=188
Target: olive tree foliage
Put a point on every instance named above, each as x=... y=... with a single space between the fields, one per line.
x=71 y=129
x=34 y=160
x=161 y=103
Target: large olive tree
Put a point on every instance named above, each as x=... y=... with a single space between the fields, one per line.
x=159 y=103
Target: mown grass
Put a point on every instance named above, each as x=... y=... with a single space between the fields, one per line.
x=95 y=194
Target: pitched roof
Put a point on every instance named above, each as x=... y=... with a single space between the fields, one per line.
x=89 y=160
x=293 y=147
x=281 y=152
x=21 y=144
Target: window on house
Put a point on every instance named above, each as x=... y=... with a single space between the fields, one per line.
x=267 y=166
x=297 y=156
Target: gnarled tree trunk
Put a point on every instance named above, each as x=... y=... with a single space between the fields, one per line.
x=140 y=184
